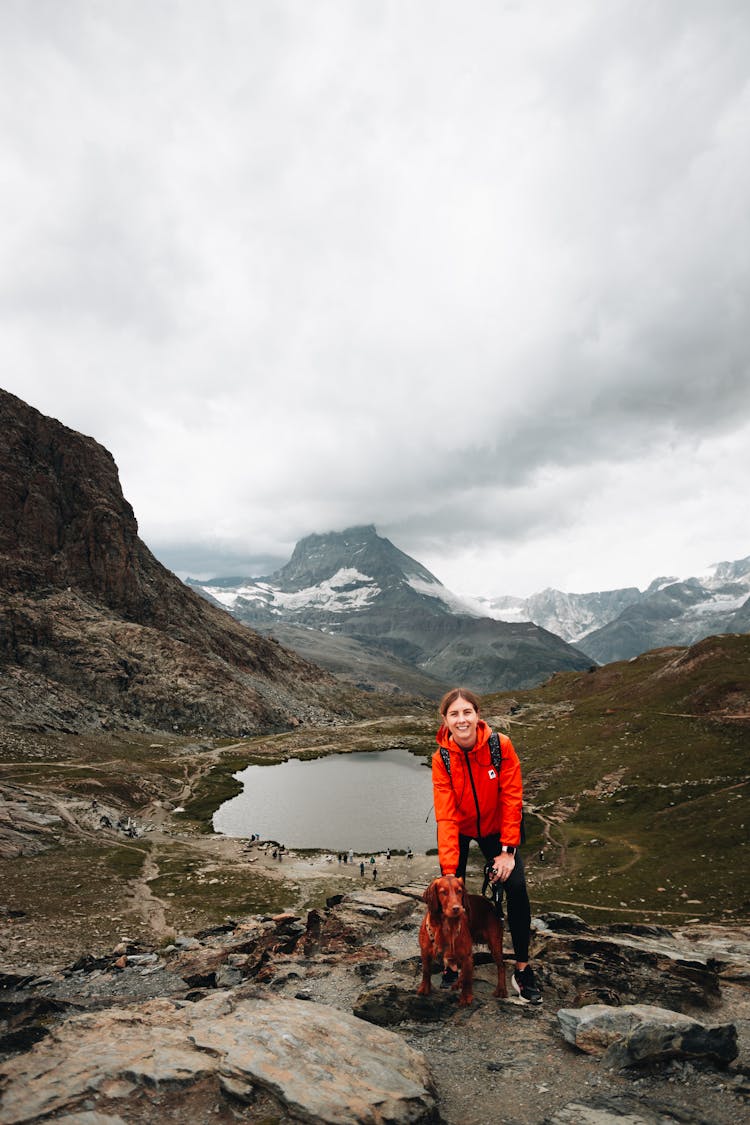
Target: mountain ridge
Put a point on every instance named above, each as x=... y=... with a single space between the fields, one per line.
x=328 y=586
x=358 y=584
x=618 y=624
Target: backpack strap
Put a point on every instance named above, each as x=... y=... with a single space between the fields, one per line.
x=497 y=759
x=495 y=754
x=495 y=751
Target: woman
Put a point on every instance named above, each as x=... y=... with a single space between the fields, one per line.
x=476 y=800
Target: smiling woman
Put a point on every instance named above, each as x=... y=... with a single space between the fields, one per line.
x=367 y=802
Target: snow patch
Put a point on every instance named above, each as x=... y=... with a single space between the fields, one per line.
x=222 y=595
x=346 y=575
x=513 y=614
x=453 y=602
x=332 y=595
x=720 y=603
x=347 y=589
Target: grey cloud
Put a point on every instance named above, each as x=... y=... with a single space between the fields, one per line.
x=303 y=266
x=203 y=561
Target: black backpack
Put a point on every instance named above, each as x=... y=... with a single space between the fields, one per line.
x=497 y=761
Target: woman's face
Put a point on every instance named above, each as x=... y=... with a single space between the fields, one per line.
x=461 y=720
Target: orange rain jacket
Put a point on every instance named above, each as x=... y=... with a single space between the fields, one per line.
x=474 y=801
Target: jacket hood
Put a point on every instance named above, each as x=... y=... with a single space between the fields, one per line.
x=445 y=738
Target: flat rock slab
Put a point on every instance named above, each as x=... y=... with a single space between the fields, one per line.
x=89 y=1117
x=322 y=1064
x=379 y=904
x=577 y=1113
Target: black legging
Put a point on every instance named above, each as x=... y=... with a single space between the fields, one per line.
x=519 y=908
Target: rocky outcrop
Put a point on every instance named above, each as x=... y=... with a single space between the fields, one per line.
x=24 y=831
x=290 y=1019
x=625 y=965
x=94 y=630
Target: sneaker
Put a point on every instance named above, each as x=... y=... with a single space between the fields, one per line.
x=449 y=978
x=526 y=986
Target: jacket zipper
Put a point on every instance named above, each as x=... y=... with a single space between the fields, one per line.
x=474 y=791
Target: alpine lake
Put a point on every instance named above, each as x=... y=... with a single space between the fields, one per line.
x=366 y=802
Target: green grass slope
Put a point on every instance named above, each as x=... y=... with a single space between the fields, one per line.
x=636 y=778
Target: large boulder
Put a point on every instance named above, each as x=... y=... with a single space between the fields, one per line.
x=642 y=1033
x=316 y=1063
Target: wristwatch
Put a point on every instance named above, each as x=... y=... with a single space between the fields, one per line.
x=508 y=849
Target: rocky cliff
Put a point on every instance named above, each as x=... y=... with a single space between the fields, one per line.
x=93 y=630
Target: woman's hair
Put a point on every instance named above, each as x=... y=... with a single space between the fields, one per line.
x=458 y=693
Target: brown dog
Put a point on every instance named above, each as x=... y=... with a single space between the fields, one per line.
x=454 y=921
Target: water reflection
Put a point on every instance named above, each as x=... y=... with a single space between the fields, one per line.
x=367 y=802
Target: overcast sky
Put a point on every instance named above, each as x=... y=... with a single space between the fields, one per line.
x=476 y=273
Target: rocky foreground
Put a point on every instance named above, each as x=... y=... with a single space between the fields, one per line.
x=286 y=1018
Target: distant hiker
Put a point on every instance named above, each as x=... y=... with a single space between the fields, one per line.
x=473 y=802
x=374 y=874
x=388 y=854
x=351 y=855
x=362 y=868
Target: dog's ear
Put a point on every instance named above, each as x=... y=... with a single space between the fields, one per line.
x=432 y=899
x=464 y=894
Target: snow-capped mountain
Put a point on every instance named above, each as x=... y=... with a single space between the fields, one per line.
x=571 y=616
x=330 y=577
x=618 y=624
x=358 y=585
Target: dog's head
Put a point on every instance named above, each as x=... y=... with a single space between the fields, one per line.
x=446 y=897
